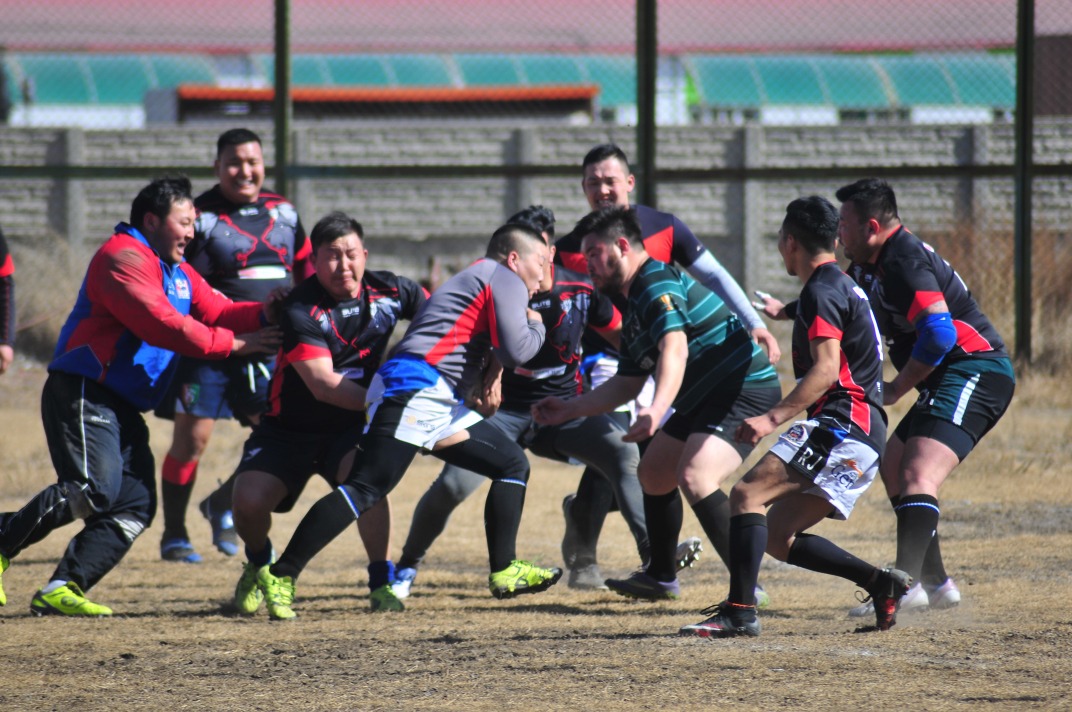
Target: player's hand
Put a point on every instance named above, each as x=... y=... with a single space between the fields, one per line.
x=645 y=426
x=273 y=302
x=752 y=430
x=533 y=315
x=7 y=355
x=264 y=341
x=552 y=411
x=488 y=400
x=773 y=308
x=767 y=341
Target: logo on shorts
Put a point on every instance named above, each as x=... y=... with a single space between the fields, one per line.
x=191 y=393
x=847 y=473
x=797 y=434
x=422 y=424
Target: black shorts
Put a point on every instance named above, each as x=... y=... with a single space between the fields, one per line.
x=294 y=457
x=722 y=413
x=970 y=398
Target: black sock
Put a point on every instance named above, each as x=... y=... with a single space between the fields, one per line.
x=917 y=523
x=663 y=514
x=713 y=512
x=262 y=557
x=933 y=572
x=321 y=524
x=815 y=553
x=748 y=543
x=502 y=517
x=175 y=498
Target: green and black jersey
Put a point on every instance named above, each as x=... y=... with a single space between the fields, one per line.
x=722 y=356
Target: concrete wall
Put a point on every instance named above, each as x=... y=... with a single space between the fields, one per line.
x=410 y=220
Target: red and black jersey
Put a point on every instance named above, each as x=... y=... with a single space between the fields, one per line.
x=567 y=310
x=7 y=294
x=832 y=306
x=353 y=333
x=908 y=277
x=247 y=250
x=666 y=239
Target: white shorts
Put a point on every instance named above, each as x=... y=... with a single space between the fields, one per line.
x=841 y=468
x=427 y=416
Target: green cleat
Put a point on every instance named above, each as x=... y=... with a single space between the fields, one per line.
x=4 y=563
x=67 y=600
x=385 y=599
x=247 y=595
x=278 y=594
x=522 y=577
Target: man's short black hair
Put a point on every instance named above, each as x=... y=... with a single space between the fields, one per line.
x=872 y=198
x=333 y=226
x=610 y=223
x=158 y=197
x=235 y=137
x=604 y=151
x=513 y=237
x=537 y=217
x=813 y=222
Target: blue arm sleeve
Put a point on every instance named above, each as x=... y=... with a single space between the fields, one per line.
x=935 y=336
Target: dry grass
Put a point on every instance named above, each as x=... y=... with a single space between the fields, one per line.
x=1008 y=539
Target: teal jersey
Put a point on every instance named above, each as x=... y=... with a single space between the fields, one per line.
x=722 y=356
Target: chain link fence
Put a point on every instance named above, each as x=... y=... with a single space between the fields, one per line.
x=433 y=121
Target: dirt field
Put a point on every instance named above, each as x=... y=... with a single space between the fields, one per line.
x=1007 y=528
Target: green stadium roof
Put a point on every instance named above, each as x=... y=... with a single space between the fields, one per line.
x=718 y=81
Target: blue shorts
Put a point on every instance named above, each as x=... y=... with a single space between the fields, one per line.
x=235 y=387
x=970 y=398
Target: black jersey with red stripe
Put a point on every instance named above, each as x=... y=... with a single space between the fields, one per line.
x=7 y=294
x=245 y=251
x=571 y=305
x=353 y=333
x=666 y=239
x=832 y=306
x=908 y=277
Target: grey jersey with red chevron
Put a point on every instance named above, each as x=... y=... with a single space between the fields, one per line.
x=479 y=309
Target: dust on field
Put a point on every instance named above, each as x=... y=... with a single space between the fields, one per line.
x=1007 y=535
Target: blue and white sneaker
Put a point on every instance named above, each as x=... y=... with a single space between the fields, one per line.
x=403 y=582
x=181 y=550
x=224 y=536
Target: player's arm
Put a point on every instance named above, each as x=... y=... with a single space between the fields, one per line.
x=605 y=319
x=669 y=375
x=826 y=358
x=7 y=307
x=935 y=337
x=709 y=272
x=612 y=393
x=519 y=331
x=326 y=385
x=127 y=283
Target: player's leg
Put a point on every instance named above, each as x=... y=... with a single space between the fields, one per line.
x=178 y=474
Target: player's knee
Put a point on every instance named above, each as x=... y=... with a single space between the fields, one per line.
x=130 y=525
x=82 y=502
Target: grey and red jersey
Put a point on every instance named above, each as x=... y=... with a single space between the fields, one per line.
x=477 y=310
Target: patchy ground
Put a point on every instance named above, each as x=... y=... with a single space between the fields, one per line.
x=175 y=644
